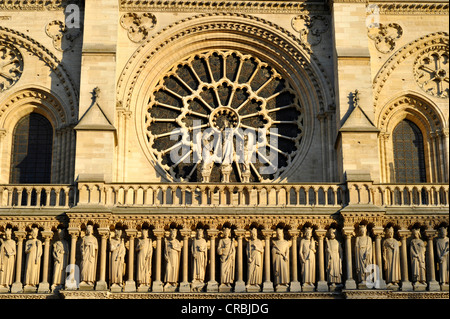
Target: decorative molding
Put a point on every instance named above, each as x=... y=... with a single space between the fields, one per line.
x=138 y=25
x=310 y=28
x=412 y=8
x=223 y=6
x=436 y=39
x=240 y=27
x=11 y=65
x=63 y=37
x=31 y=45
x=385 y=36
x=428 y=112
x=35 y=95
x=36 y=5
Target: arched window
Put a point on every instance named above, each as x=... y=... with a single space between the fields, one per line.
x=409 y=156
x=32 y=151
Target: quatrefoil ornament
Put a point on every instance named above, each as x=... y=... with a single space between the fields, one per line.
x=385 y=36
x=138 y=25
x=63 y=37
x=310 y=28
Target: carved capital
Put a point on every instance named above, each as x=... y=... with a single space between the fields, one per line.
x=430 y=233
x=131 y=232
x=74 y=231
x=294 y=232
x=321 y=233
x=348 y=232
x=404 y=233
x=267 y=233
x=47 y=234
x=213 y=233
x=103 y=232
x=159 y=233
x=239 y=232
x=185 y=232
x=20 y=234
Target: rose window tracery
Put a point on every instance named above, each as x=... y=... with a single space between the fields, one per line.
x=215 y=101
x=11 y=66
x=431 y=72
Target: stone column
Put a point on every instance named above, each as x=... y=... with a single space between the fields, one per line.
x=240 y=284
x=184 y=285
x=44 y=286
x=406 y=284
x=267 y=285
x=350 y=282
x=322 y=284
x=73 y=280
x=295 y=284
x=212 y=285
x=17 y=286
x=130 y=284
x=157 y=283
x=381 y=283
x=101 y=283
x=433 y=285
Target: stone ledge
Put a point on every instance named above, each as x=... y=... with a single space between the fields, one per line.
x=345 y=294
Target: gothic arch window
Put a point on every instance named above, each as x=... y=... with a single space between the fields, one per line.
x=409 y=155
x=32 y=150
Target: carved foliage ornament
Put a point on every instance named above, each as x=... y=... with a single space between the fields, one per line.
x=138 y=25
x=431 y=71
x=310 y=28
x=11 y=65
x=385 y=35
x=62 y=36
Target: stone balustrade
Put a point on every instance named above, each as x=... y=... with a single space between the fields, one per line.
x=205 y=194
x=36 y=195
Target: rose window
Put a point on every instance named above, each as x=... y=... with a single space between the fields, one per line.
x=11 y=66
x=224 y=116
x=432 y=73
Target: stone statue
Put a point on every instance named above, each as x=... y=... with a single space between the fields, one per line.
x=418 y=261
x=255 y=251
x=89 y=253
x=208 y=158
x=442 y=255
x=60 y=259
x=227 y=252
x=280 y=260
x=116 y=258
x=144 y=249
x=307 y=252
x=334 y=255
x=33 y=251
x=7 y=259
x=172 y=256
x=199 y=250
x=363 y=254
x=227 y=151
x=391 y=259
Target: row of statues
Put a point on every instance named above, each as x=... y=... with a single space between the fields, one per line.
x=277 y=257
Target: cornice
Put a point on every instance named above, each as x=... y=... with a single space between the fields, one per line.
x=36 y=5
x=253 y=6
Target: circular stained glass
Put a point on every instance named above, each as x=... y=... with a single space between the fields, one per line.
x=224 y=116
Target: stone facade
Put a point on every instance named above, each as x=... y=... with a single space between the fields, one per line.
x=312 y=94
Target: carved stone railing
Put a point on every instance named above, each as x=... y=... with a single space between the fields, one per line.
x=36 y=195
x=204 y=194
x=224 y=195
x=388 y=195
